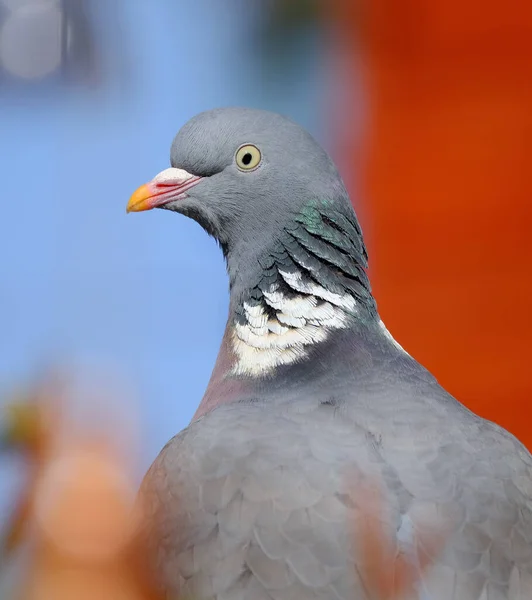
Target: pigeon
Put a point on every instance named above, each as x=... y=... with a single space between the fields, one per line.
x=311 y=398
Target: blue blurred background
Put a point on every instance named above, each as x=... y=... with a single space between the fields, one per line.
x=82 y=284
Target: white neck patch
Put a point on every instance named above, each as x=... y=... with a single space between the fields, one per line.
x=264 y=341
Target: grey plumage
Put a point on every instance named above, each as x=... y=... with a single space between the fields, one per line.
x=253 y=499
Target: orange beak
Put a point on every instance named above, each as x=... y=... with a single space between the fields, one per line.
x=142 y=199
x=168 y=186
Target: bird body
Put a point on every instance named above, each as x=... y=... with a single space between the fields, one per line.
x=310 y=398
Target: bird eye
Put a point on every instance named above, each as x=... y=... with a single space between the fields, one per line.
x=248 y=157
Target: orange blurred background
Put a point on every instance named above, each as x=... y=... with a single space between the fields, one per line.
x=447 y=189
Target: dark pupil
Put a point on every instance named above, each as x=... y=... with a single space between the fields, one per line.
x=247 y=158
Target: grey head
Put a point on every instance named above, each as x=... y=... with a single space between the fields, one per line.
x=273 y=198
x=245 y=176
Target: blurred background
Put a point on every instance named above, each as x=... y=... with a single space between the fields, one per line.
x=426 y=105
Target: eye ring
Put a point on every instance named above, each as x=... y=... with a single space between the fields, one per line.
x=248 y=157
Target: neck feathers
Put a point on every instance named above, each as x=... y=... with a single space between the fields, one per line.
x=311 y=282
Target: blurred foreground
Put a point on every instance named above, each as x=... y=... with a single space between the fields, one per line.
x=77 y=518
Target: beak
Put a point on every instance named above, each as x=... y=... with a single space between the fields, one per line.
x=165 y=187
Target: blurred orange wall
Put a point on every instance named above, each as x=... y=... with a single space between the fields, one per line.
x=448 y=189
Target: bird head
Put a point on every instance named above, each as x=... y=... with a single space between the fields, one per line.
x=243 y=175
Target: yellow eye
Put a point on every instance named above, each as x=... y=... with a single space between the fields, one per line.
x=248 y=157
